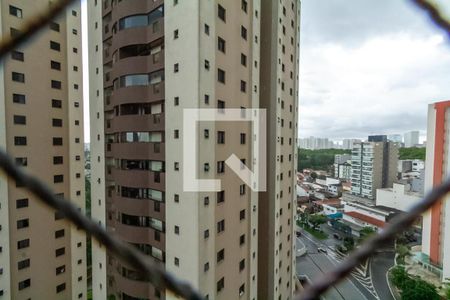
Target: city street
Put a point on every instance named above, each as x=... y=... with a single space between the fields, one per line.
x=362 y=284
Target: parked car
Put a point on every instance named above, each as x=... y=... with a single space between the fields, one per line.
x=323 y=250
x=337 y=236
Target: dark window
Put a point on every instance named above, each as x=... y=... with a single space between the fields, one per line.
x=242 y=265
x=243 y=86
x=60 y=288
x=54 y=26
x=221 y=44
x=58 y=160
x=57 y=141
x=60 y=251
x=56 y=84
x=221 y=13
x=18 y=77
x=242 y=239
x=58 y=178
x=60 y=269
x=21 y=120
x=244 y=5
x=59 y=215
x=23 y=244
x=206 y=234
x=74 y=13
x=243 y=59
x=21 y=161
x=15 y=11
x=20 y=140
x=221 y=75
x=59 y=233
x=220 y=167
x=220 y=137
x=55 y=65
x=221 y=255
x=243 y=137
x=220 y=196
x=57 y=122
x=19 y=98
x=220 y=226
x=21 y=203
x=220 y=284
x=242 y=290
x=23 y=264
x=17 y=55
x=14 y=32
x=24 y=284
x=244 y=32
x=242 y=214
x=56 y=103
x=55 y=46
x=23 y=223
x=207 y=29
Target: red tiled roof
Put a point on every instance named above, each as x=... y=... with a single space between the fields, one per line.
x=366 y=219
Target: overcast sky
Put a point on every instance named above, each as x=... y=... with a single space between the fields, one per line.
x=369 y=67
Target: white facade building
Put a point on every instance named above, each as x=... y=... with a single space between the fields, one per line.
x=399 y=197
x=411 y=138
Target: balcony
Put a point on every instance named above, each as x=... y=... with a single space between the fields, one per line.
x=154 y=151
x=139 y=178
x=137 y=123
x=139 y=206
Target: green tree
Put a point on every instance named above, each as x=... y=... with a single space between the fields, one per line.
x=365 y=233
x=412 y=153
x=317 y=220
x=403 y=252
x=314 y=175
x=420 y=290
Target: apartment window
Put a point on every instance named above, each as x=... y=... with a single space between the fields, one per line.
x=55 y=65
x=74 y=13
x=17 y=55
x=176 y=68
x=19 y=98
x=221 y=75
x=75 y=50
x=176 y=198
x=24 y=223
x=177 y=229
x=206 y=201
x=15 y=11
x=176 y=261
x=20 y=120
x=59 y=233
x=14 y=32
x=244 y=32
x=243 y=138
x=206 y=234
x=207 y=29
x=221 y=44
x=220 y=137
x=57 y=141
x=221 y=284
x=206 y=64
x=18 y=77
x=241 y=265
x=176 y=101
x=24 y=284
x=243 y=86
x=175 y=34
x=176 y=166
x=220 y=167
x=206 y=99
x=23 y=244
x=176 y=133
x=206 y=267
x=206 y=133
x=20 y=140
x=242 y=189
x=54 y=26
x=60 y=288
x=21 y=203
x=60 y=270
x=221 y=12
x=74 y=31
x=243 y=59
x=220 y=196
x=23 y=264
x=56 y=84
x=57 y=122
x=242 y=290
x=60 y=251
x=221 y=255
x=55 y=46
x=56 y=103
x=244 y=5
x=221 y=106
x=220 y=226
x=242 y=240
x=242 y=215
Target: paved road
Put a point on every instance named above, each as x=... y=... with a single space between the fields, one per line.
x=315 y=264
x=379 y=266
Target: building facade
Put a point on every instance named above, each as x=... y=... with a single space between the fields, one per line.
x=41 y=126
x=400 y=196
x=374 y=166
x=436 y=224
x=155 y=60
x=411 y=139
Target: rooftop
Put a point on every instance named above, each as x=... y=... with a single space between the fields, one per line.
x=366 y=219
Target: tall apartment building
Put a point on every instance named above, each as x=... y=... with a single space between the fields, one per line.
x=149 y=61
x=374 y=166
x=436 y=222
x=41 y=125
x=411 y=139
x=347 y=144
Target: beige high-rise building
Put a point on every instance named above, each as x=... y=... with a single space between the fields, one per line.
x=42 y=256
x=150 y=60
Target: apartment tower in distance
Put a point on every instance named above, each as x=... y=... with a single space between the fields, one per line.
x=436 y=221
x=41 y=125
x=374 y=166
x=149 y=61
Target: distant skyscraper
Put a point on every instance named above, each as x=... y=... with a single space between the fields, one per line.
x=377 y=138
x=396 y=138
x=347 y=144
x=374 y=166
x=436 y=221
x=411 y=138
